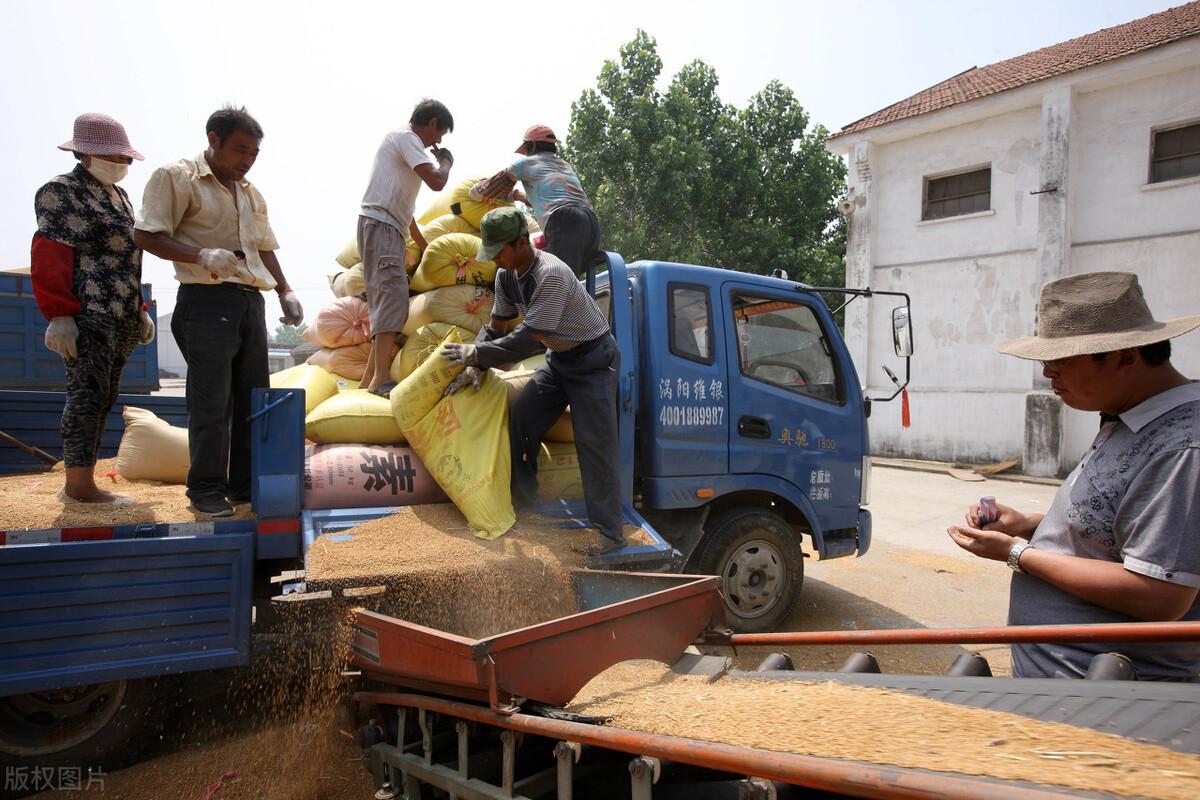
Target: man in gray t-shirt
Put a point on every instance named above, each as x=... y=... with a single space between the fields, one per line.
x=1121 y=541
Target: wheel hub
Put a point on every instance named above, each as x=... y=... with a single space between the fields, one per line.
x=753 y=578
x=43 y=723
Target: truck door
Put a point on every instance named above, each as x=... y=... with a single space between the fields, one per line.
x=794 y=411
x=686 y=414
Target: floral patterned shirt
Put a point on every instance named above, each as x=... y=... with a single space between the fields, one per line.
x=78 y=211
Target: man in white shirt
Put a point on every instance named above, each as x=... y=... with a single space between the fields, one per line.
x=401 y=165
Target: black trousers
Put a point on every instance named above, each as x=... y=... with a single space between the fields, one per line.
x=585 y=378
x=93 y=382
x=222 y=331
x=573 y=234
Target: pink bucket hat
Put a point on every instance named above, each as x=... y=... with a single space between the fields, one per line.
x=100 y=135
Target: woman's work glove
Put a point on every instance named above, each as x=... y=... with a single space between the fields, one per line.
x=471 y=376
x=293 y=313
x=61 y=334
x=145 y=329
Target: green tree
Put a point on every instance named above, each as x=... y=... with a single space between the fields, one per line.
x=679 y=175
x=287 y=336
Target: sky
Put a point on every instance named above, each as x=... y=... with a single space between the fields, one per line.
x=327 y=80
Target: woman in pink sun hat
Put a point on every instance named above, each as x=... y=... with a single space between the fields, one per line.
x=87 y=278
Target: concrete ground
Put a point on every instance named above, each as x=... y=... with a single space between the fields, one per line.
x=913 y=576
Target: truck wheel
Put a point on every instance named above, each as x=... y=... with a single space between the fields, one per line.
x=100 y=725
x=758 y=559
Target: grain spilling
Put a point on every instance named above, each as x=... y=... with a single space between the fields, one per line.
x=835 y=720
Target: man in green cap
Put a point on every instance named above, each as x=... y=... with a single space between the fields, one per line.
x=580 y=369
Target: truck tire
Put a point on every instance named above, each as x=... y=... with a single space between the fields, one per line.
x=760 y=564
x=101 y=725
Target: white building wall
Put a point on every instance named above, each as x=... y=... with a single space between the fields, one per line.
x=966 y=276
x=975 y=279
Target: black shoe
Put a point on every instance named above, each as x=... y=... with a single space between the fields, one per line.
x=215 y=506
x=239 y=498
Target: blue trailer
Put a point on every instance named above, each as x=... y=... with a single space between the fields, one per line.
x=742 y=430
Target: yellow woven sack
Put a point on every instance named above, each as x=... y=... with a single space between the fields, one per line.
x=318 y=385
x=466 y=306
x=344 y=383
x=470 y=210
x=349 y=282
x=152 y=449
x=421 y=345
x=463 y=442
x=353 y=416
x=461 y=439
x=420 y=391
x=439 y=207
x=447 y=223
x=349 y=256
x=450 y=261
x=558 y=472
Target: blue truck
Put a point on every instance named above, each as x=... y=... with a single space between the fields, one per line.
x=742 y=428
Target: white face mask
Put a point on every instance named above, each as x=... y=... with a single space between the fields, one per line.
x=107 y=172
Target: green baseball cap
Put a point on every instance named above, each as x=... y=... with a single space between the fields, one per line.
x=499 y=227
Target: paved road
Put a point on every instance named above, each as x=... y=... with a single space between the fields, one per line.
x=913 y=575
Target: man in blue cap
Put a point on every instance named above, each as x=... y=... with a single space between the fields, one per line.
x=581 y=368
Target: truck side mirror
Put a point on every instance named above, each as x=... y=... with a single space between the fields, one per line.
x=902 y=341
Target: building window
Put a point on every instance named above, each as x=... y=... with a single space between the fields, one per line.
x=1176 y=153
x=952 y=195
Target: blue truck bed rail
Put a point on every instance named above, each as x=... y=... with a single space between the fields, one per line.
x=25 y=363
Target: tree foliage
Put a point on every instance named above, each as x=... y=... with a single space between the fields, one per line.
x=682 y=176
x=288 y=336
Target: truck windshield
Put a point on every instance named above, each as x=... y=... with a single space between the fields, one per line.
x=782 y=343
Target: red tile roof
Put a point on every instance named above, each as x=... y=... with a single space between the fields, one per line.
x=1086 y=51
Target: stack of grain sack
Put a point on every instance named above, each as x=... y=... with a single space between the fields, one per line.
x=373 y=451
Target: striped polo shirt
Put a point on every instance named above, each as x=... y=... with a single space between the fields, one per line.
x=553 y=302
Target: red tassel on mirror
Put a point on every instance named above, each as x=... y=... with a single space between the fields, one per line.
x=905 y=418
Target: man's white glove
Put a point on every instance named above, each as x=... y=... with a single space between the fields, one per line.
x=293 y=314
x=464 y=354
x=145 y=329
x=471 y=376
x=61 y=334
x=218 y=263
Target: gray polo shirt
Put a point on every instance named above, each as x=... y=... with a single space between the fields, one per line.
x=1133 y=499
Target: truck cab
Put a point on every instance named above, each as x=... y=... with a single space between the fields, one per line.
x=746 y=424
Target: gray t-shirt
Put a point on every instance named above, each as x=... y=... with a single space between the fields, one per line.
x=392 y=191
x=1134 y=499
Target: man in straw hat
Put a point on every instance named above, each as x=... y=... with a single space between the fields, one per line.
x=87 y=278
x=1121 y=541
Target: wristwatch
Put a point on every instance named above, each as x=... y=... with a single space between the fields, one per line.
x=1014 y=555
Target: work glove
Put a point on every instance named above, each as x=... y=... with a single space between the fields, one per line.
x=219 y=263
x=464 y=354
x=471 y=376
x=442 y=153
x=293 y=314
x=145 y=329
x=61 y=334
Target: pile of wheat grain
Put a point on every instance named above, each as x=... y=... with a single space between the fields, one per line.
x=835 y=720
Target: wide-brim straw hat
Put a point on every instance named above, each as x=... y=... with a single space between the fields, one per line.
x=1096 y=312
x=100 y=135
